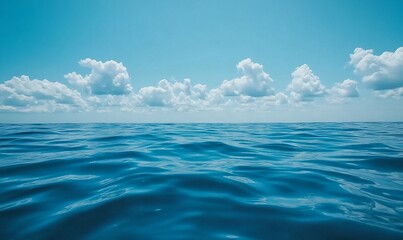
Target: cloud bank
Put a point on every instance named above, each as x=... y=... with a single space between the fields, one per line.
x=107 y=86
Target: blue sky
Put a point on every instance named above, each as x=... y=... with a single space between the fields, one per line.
x=121 y=50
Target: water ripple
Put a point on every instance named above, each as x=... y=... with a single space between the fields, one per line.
x=201 y=181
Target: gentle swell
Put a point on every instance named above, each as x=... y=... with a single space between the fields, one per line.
x=201 y=181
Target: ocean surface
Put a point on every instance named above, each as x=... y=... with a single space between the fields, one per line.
x=201 y=181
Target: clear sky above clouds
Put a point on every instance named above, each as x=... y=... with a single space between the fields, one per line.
x=201 y=61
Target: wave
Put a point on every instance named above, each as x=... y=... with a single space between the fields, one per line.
x=201 y=181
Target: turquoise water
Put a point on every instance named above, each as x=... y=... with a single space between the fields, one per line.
x=201 y=181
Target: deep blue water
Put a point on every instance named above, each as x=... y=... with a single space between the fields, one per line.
x=201 y=181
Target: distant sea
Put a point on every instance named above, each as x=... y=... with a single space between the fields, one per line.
x=201 y=181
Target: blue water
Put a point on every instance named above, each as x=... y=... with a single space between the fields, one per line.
x=201 y=181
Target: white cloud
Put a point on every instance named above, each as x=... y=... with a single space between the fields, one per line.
x=23 y=94
x=305 y=85
x=340 y=91
x=254 y=82
x=180 y=95
x=107 y=88
x=157 y=96
x=394 y=93
x=381 y=72
x=108 y=77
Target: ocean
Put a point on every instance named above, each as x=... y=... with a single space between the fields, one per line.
x=201 y=181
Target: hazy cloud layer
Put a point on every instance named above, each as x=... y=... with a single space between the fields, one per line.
x=393 y=93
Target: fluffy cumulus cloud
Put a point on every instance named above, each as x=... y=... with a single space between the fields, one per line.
x=305 y=85
x=105 y=78
x=26 y=95
x=181 y=95
x=379 y=72
x=347 y=88
x=254 y=82
x=341 y=91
